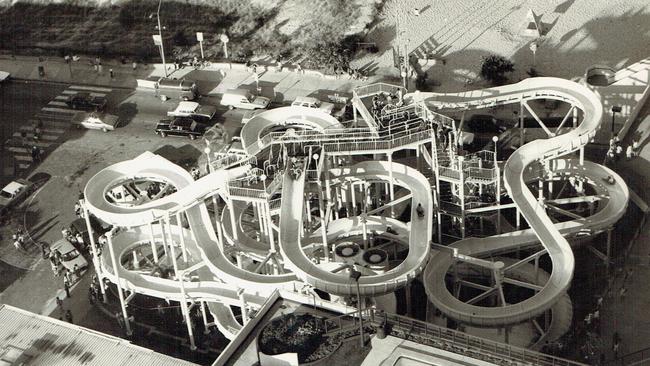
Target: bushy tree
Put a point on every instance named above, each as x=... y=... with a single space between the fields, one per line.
x=495 y=67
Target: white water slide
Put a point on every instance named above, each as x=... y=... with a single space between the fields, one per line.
x=221 y=279
x=543 y=230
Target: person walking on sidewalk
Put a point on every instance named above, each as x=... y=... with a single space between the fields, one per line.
x=135 y=65
x=110 y=71
x=66 y=285
x=68 y=316
x=59 y=304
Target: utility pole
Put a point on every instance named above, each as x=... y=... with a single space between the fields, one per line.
x=158 y=40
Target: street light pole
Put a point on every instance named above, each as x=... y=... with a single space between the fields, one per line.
x=355 y=275
x=162 y=48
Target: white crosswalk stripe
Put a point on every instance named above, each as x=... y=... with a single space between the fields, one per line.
x=73 y=92
x=91 y=88
x=57 y=103
x=54 y=119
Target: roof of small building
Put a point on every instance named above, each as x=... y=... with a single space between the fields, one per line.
x=39 y=340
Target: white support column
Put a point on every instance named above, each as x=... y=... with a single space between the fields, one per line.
x=233 y=223
x=161 y=222
x=266 y=212
x=391 y=183
x=244 y=311
x=204 y=315
x=154 y=249
x=186 y=311
x=217 y=224
x=181 y=233
x=120 y=293
x=93 y=248
x=93 y=245
x=498 y=197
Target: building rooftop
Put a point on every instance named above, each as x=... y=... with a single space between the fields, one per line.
x=33 y=339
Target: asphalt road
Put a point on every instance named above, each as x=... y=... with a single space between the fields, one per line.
x=21 y=100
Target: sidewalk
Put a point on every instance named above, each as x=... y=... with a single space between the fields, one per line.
x=627 y=314
x=281 y=86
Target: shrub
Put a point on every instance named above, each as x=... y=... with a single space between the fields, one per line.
x=301 y=334
x=495 y=67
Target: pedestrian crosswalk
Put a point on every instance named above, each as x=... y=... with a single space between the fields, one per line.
x=54 y=120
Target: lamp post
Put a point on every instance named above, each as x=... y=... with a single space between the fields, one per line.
x=615 y=109
x=207 y=155
x=157 y=38
x=495 y=139
x=224 y=39
x=199 y=37
x=355 y=275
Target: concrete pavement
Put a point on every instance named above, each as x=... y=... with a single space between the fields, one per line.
x=282 y=86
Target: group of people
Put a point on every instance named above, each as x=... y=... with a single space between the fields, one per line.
x=295 y=167
x=615 y=150
x=381 y=101
x=18 y=238
x=195 y=173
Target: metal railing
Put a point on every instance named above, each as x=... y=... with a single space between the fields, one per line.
x=481 y=173
x=233 y=159
x=634 y=358
x=449 y=172
x=247 y=192
x=378 y=144
x=462 y=343
x=376 y=88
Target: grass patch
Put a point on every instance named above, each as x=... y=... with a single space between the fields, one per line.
x=280 y=28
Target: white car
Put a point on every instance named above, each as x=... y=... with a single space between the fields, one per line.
x=95 y=121
x=310 y=102
x=198 y=112
x=4 y=76
x=13 y=193
x=243 y=99
x=70 y=256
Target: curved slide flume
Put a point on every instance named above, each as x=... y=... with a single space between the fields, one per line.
x=338 y=283
x=533 y=211
x=611 y=208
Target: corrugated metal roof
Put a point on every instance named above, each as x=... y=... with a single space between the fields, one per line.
x=47 y=341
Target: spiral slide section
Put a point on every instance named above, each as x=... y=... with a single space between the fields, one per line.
x=340 y=284
x=189 y=197
x=252 y=134
x=533 y=211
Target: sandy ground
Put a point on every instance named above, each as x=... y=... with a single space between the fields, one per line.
x=577 y=34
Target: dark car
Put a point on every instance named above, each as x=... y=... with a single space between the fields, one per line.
x=87 y=102
x=181 y=126
x=78 y=226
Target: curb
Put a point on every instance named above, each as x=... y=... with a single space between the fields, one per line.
x=57 y=82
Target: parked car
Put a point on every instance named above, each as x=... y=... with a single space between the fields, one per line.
x=199 y=112
x=87 y=102
x=180 y=126
x=310 y=102
x=243 y=99
x=95 y=121
x=13 y=193
x=4 y=76
x=70 y=256
x=78 y=226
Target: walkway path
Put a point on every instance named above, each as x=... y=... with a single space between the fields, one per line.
x=628 y=314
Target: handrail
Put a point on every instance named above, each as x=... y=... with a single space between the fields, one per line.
x=247 y=192
x=449 y=172
x=462 y=343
